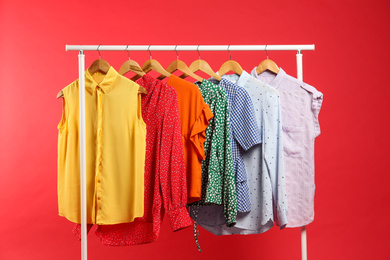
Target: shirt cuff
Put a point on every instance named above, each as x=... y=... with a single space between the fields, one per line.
x=179 y=219
x=281 y=218
x=231 y=221
x=316 y=107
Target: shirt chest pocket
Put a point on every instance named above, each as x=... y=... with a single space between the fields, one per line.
x=292 y=141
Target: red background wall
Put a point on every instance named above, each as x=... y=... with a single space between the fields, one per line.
x=349 y=66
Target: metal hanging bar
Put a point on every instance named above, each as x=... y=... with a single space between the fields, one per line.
x=304 y=47
x=82 y=48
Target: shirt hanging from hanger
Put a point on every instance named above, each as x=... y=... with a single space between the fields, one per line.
x=115 y=150
x=195 y=115
x=264 y=165
x=165 y=176
x=218 y=180
x=244 y=134
x=301 y=104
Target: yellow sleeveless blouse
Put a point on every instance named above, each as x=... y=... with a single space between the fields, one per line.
x=116 y=143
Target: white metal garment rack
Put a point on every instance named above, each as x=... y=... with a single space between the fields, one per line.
x=82 y=48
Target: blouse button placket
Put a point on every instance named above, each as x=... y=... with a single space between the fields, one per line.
x=98 y=177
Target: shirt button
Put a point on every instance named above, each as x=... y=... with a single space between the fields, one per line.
x=99 y=181
x=98 y=198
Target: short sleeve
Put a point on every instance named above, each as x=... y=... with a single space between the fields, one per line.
x=316 y=107
x=197 y=133
x=245 y=127
x=316 y=104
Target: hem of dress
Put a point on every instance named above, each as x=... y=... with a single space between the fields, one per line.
x=99 y=223
x=127 y=244
x=243 y=230
x=299 y=225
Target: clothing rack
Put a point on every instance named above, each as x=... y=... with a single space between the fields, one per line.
x=82 y=48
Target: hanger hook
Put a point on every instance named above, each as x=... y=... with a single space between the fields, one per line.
x=177 y=55
x=127 y=49
x=197 y=49
x=266 y=52
x=150 y=52
x=99 y=51
x=230 y=56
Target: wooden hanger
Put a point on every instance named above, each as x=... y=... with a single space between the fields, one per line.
x=267 y=64
x=202 y=66
x=99 y=65
x=131 y=65
x=181 y=66
x=230 y=65
x=60 y=94
x=152 y=64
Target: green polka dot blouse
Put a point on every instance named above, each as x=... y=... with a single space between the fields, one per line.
x=218 y=178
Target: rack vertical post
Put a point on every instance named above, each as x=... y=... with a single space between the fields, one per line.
x=303 y=229
x=83 y=156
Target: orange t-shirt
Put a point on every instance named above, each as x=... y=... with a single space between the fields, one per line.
x=195 y=115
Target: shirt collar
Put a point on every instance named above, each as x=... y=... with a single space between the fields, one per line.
x=105 y=85
x=242 y=81
x=205 y=83
x=239 y=80
x=231 y=77
x=275 y=82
